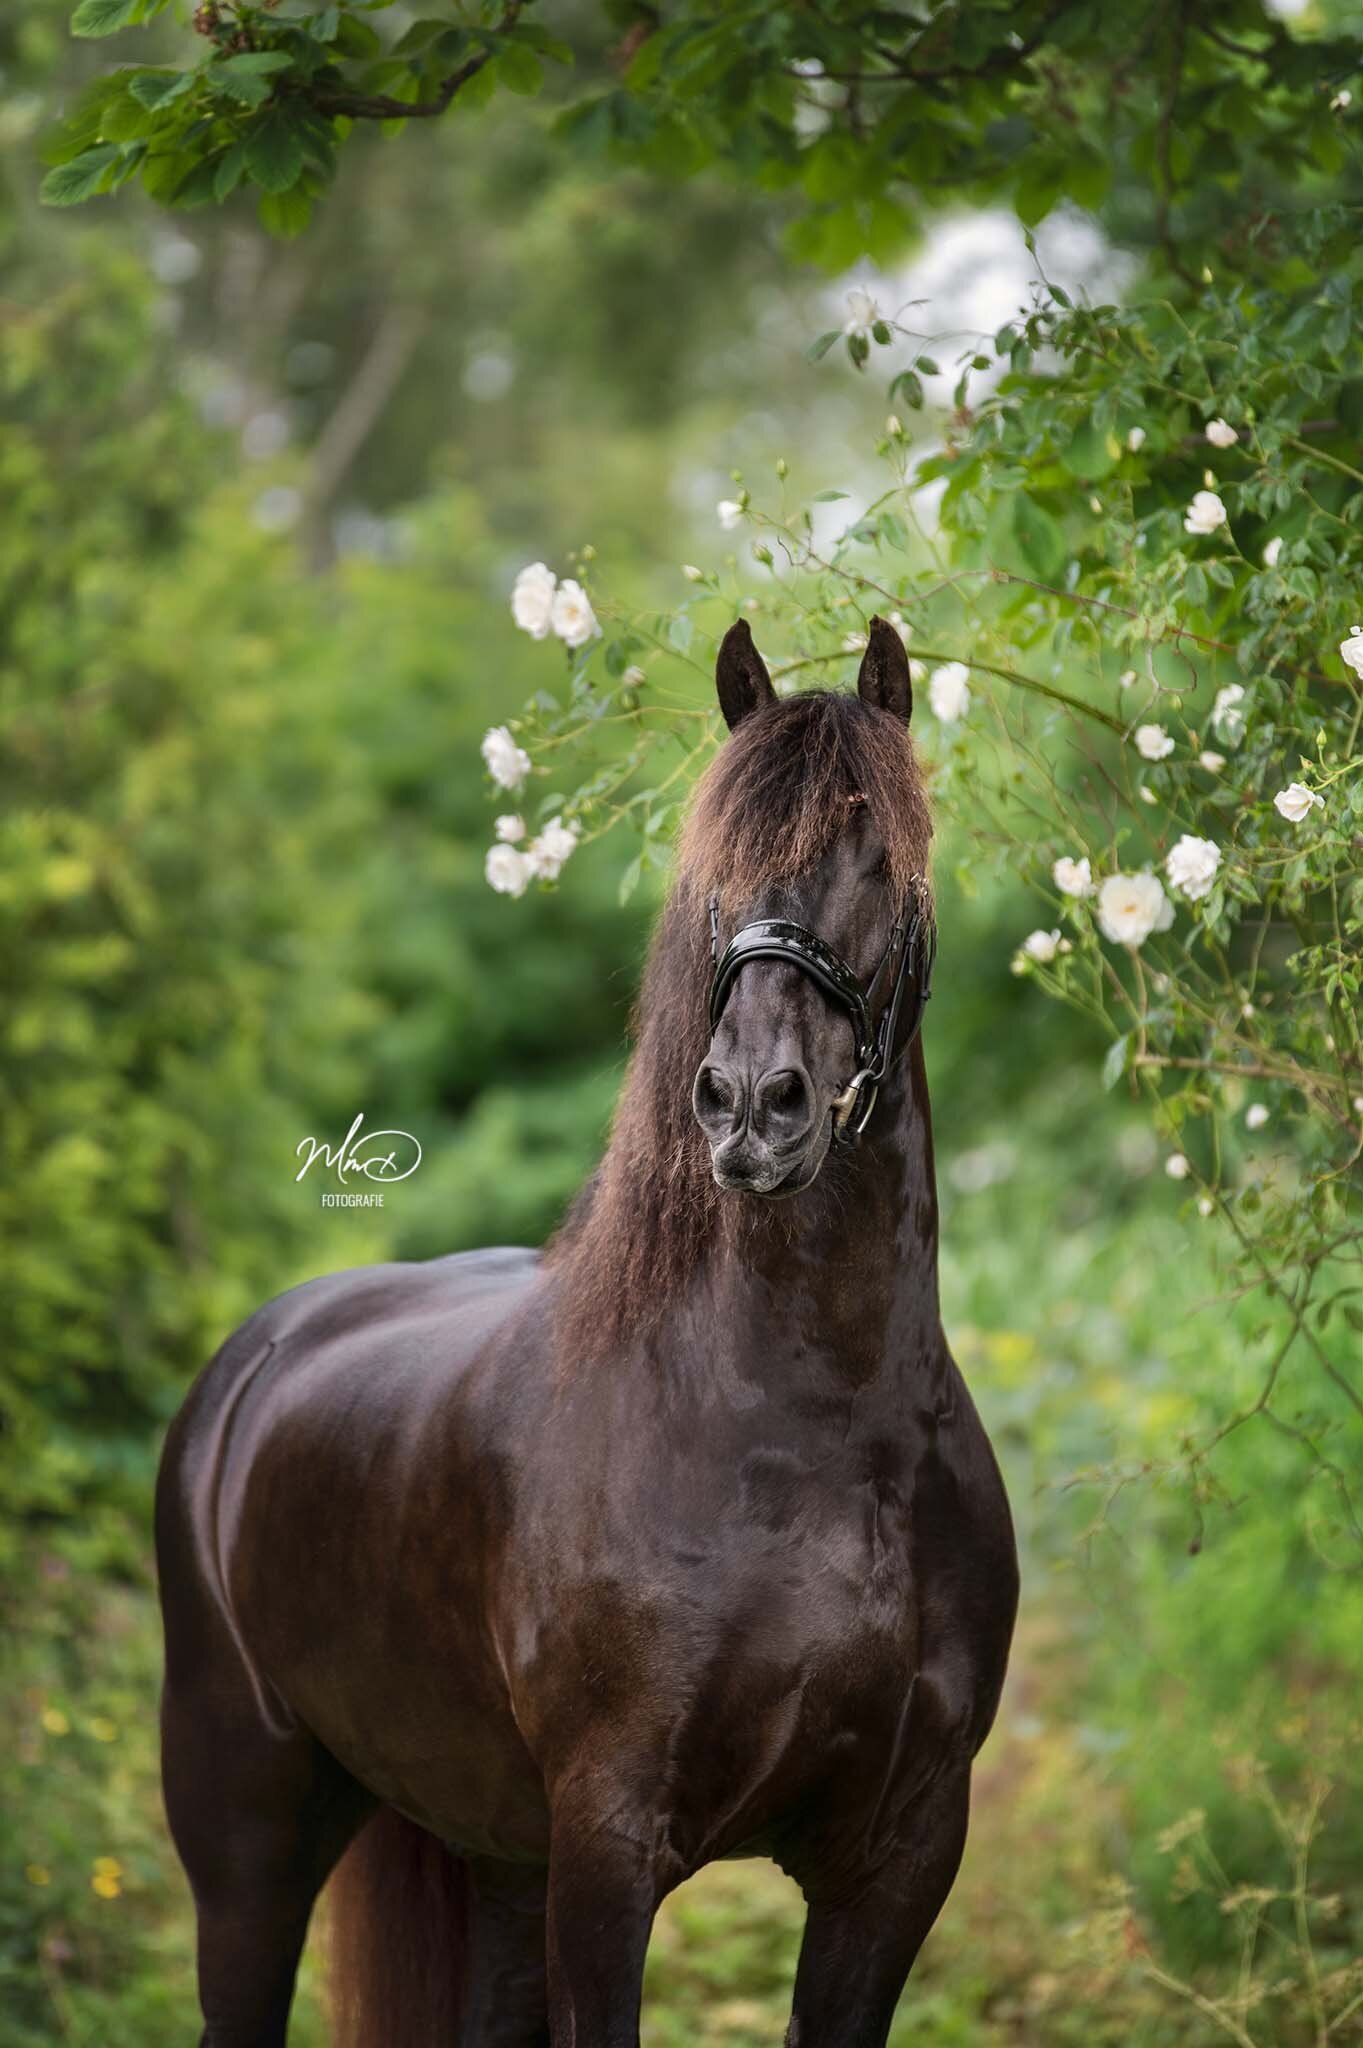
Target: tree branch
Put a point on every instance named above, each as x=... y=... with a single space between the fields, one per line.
x=382 y=106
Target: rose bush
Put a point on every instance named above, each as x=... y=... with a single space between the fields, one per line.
x=1090 y=606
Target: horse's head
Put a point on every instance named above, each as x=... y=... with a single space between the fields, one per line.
x=809 y=843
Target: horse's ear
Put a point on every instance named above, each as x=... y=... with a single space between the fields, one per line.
x=883 y=679
x=741 y=678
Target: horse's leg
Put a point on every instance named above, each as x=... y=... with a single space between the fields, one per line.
x=860 y=1945
x=259 y=1816
x=603 y=1894
x=508 y=1999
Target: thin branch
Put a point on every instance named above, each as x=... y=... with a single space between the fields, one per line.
x=382 y=106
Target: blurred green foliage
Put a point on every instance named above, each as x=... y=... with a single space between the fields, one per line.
x=263 y=507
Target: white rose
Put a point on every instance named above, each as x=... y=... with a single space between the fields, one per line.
x=1153 y=742
x=573 y=618
x=1351 y=650
x=1130 y=907
x=1042 y=946
x=1205 y=513
x=949 y=691
x=532 y=599
x=507 y=870
x=1213 y=763
x=1176 y=1166
x=547 y=852
x=862 y=313
x=1221 y=434
x=730 y=512
x=509 y=828
x=1227 y=716
x=1257 y=1115
x=1073 y=877
x=853 y=643
x=1272 y=549
x=1135 y=439
x=1192 y=865
x=507 y=764
x=1297 y=802
x=1205 y=1206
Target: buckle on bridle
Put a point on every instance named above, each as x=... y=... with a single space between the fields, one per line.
x=850 y=1113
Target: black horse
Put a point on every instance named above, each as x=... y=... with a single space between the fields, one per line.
x=535 y=1582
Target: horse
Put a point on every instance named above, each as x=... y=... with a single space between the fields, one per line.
x=514 y=1587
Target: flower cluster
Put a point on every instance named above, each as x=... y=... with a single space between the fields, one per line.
x=541 y=605
x=511 y=867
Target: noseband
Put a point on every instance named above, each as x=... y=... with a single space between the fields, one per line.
x=778 y=938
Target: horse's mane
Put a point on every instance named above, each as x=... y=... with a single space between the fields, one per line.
x=767 y=810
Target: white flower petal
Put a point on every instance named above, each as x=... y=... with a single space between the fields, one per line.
x=1192 y=865
x=507 y=764
x=1221 y=434
x=507 y=870
x=949 y=691
x=1153 y=742
x=1130 y=907
x=549 y=849
x=1073 y=877
x=1297 y=802
x=572 y=616
x=1205 y=513
x=532 y=598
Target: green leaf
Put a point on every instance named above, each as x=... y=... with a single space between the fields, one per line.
x=247 y=77
x=158 y=88
x=69 y=184
x=229 y=173
x=104 y=17
x=817 y=350
x=519 y=69
x=629 y=881
x=1114 y=1062
x=274 y=153
x=286 y=213
x=908 y=386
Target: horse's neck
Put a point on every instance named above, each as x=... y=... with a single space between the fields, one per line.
x=843 y=1279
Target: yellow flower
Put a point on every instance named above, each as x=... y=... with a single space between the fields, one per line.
x=55 y=1721
x=36 y=1874
x=107 y=1866
x=106 y=1887
x=103 y=1729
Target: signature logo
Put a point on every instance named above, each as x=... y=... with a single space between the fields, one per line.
x=370 y=1155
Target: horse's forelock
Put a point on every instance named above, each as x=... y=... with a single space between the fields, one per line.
x=774 y=801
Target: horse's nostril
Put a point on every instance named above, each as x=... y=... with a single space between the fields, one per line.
x=783 y=1099
x=715 y=1095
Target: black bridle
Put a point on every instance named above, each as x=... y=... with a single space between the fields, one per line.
x=912 y=936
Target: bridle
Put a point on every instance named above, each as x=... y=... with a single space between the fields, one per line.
x=912 y=935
